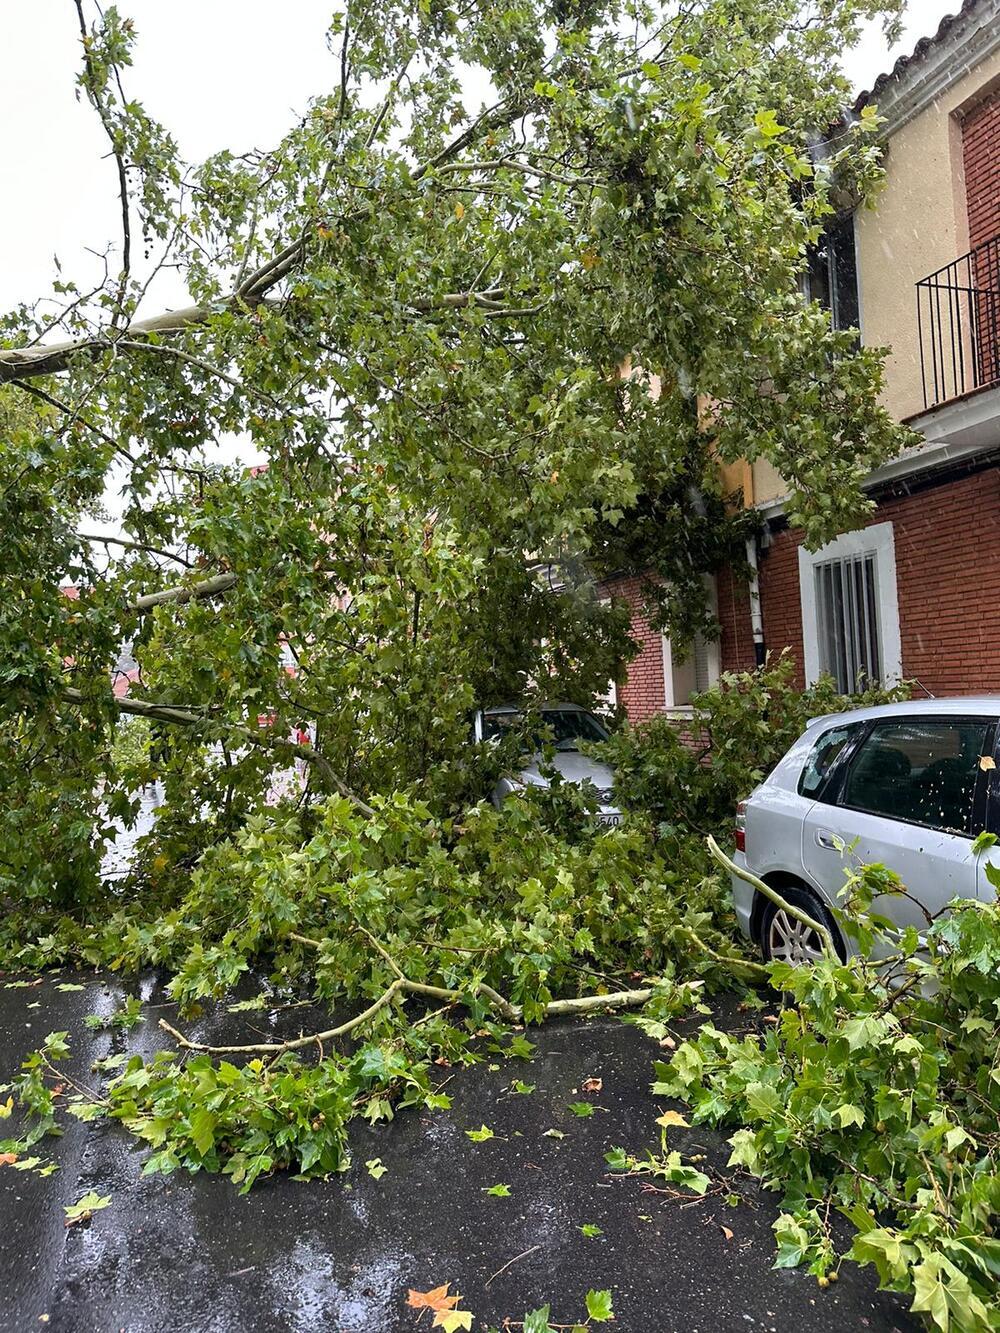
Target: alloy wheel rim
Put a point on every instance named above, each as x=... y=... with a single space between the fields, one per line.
x=789 y=941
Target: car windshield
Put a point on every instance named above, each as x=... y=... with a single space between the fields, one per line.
x=561 y=727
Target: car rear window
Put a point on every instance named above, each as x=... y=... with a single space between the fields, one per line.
x=922 y=771
x=823 y=757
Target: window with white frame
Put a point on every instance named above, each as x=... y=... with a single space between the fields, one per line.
x=694 y=670
x=850 y=612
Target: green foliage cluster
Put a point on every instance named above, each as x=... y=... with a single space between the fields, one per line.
x=876 y=1095
x=739 y=729
x=500 y=897
x=498 y=904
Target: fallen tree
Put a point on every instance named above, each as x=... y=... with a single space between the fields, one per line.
x=414 y=317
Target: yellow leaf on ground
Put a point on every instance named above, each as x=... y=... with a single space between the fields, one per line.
x=452 y=1320
x=669 y=1119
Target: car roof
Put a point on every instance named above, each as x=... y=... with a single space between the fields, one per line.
x=981 y=705
x=543 y=708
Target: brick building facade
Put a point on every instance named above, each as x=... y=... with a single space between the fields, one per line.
x=946 y=535
x=915 y=594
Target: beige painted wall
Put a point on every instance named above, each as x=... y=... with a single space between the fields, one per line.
x=918 y=224
x=768 y=483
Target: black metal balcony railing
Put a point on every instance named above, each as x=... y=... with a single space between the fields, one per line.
x=958 y=322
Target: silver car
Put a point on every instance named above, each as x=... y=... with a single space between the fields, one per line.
x=907 y=785
x=564 y=726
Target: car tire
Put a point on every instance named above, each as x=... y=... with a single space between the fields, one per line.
x=783 y=939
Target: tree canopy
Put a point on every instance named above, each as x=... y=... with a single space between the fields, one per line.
x=437 y=309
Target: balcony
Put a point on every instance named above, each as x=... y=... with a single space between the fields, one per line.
x=958 y=323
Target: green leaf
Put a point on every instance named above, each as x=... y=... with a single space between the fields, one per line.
x=84 y=1208
x=84 y=1110
x=538 y=1321
x=599 y=1306
x=500 y=1191
x=376 y=1168
x=480 y=1135
x=745 y=1153
x=203 y=1129
x=521 y=1047
x=582 y=1109
x=929 y=1294
x=849 y=1114
x=589 y=1229
x=764 y=1101
x=767 y=124
x=870 y=1030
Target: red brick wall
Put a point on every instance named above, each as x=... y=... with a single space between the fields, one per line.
x=642 y=692
x=948 y=577
x=981 y=154
x=947 y=543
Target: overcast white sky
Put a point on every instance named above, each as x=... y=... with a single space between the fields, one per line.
x=218 y=73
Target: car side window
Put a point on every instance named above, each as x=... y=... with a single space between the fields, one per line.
x=921 y=771
x=823 y=757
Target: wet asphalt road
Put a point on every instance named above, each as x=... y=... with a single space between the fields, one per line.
x=187 y=1253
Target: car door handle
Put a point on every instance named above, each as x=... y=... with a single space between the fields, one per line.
x=828 y=840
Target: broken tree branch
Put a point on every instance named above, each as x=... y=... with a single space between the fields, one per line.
x=581 y=1004
x=206 y=588
x=741 y=872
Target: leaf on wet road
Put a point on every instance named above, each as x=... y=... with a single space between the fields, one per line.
x=84 y=1208
x=452 y=1320
x=435 y=1299
x=480 y=1135
x=599 y=1306
x=592 y=1084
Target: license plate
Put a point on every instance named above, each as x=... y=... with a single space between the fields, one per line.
x=611 y=821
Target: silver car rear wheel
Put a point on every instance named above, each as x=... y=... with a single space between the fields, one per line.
x=784 y=939
x=789 y=941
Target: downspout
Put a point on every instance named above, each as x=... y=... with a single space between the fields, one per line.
x=756 y=616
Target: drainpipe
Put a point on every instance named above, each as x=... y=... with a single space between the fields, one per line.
x=756 y=616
